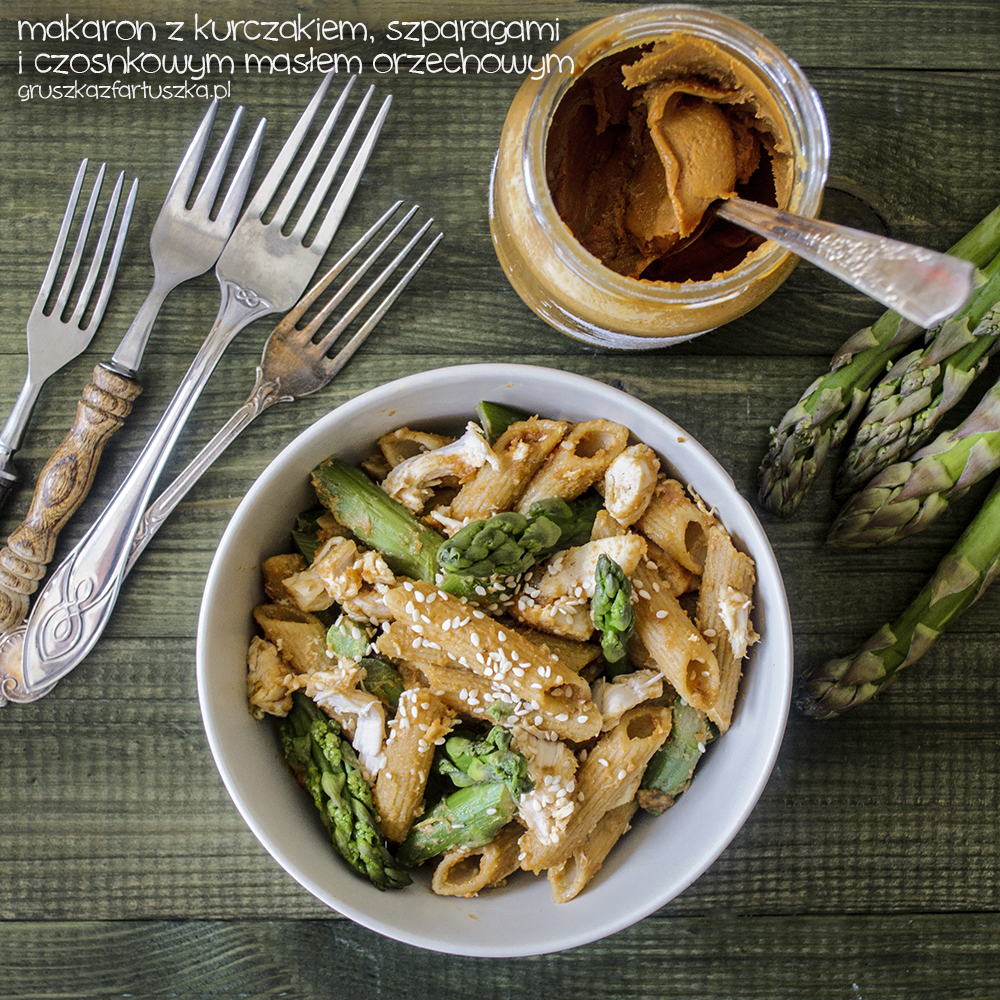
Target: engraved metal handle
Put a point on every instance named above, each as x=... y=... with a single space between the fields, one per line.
x=921 y=285
x=266 y=392
x=73 y=608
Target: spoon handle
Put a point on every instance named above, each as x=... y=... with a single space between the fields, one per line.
x=920 y=284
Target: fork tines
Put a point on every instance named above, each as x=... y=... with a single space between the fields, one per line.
x=97 y=260
x=269 y=186
x=310 y=331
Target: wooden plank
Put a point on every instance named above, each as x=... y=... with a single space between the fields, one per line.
x=701 y=958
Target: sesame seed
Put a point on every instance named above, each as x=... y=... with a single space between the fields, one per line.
x=661 y=614
x=622 y=774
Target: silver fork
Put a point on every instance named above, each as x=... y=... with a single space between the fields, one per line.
x=260 y=271
x=53 y=341
x=294 y=363
x=185 y=242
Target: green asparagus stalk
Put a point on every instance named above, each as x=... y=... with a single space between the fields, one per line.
x=470 y=817
x=611 y=608
x=959 y=581
x=332 y=775
x=305 y=534
x=908 y=496
x=487 y=558
x=383 y=680
x=490 y=777
x=906 y=404
x=469 y=760
x=347 y=638
x=495 y=418
x=408 y=546
x=825 y=412
x=669 y=770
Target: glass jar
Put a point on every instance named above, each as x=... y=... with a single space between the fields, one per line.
x=569 y=287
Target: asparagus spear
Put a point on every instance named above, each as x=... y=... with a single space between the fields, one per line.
x=408 y=546
x=347 y=638
x=669 y=770
x=383 y=680
x=959 y=581
x=906 y=404
x=468 y=760
x=611 y=608
x=470 y=817
x=799 y=445
x=329 y=766
x=491 y=778
x=495 y=418
x=906 y=497
x=487 y=557
x=305 y=534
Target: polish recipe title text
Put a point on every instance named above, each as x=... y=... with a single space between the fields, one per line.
x=121 y=59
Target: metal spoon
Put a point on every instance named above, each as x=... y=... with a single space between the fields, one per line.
x=922 y=285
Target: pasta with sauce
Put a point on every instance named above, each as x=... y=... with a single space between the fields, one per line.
x=445 y=613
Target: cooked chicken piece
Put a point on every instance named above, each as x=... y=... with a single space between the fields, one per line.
x=556 y=596
x=414 y=480
x=266 y=676
x=615 y=698
x=276 y=570
x=361 y=715
x=629 y=483
x=552 y=766
x=735 y=608
x=306 y=590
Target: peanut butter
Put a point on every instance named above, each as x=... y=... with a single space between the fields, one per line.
x=647 y=139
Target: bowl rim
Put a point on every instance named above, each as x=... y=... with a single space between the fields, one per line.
x=779 y=638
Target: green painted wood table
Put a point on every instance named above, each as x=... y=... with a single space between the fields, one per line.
x=868 y=870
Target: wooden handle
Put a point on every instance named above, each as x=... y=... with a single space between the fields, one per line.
x=62 y=486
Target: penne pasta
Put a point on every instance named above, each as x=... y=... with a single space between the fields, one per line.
x=673 y=642
x=421 y=724
x=550 y=697
x=579 y=460
x=608 y=778
x=677 y=524
x=520 y=452
x=570 y=878
x=465 y=871
x=299 y=636
x=723 y=612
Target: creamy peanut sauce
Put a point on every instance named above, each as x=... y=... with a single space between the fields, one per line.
x=647 y=139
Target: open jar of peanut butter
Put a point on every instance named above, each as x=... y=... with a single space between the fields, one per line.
x=601 y=191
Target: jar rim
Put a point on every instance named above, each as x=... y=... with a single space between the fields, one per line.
x=798 y=101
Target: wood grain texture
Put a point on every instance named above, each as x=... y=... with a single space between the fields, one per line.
x=870 y=868
x=63 y=485
x=700 y=958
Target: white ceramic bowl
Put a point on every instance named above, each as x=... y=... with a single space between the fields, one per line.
x=654 y=862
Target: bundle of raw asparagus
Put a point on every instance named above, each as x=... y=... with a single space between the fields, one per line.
x=894 y=480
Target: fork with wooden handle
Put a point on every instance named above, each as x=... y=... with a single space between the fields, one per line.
x=185 y=242
x=294 y=363
x=261 y=270
x=52 y=340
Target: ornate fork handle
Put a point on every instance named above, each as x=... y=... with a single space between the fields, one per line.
x=73 y=608
x=920 y=284
x=266 y=392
